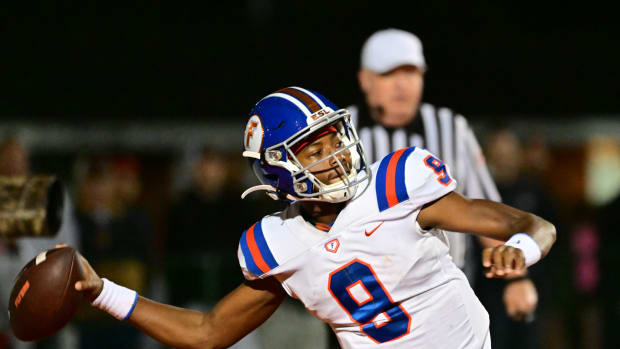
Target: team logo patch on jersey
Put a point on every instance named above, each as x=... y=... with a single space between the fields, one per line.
x=332 y=245
x=253 y=139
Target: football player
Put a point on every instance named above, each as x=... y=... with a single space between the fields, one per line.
x=360 y=245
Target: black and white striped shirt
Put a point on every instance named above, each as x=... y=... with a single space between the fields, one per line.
x=443 y=133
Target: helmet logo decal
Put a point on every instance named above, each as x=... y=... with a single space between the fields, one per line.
x=321 y=113
x=254 y=134
x=250 y=133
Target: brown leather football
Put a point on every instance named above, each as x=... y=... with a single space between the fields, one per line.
x=44 y=298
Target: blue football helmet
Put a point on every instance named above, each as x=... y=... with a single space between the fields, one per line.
x=279 y=124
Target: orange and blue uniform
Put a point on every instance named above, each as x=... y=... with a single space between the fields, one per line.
x=376 y=277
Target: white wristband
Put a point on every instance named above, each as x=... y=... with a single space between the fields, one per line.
x=117 y=300
x=528 y=245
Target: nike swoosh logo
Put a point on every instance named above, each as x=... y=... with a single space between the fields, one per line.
x=368 y=233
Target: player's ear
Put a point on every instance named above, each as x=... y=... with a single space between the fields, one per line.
x=365 y=80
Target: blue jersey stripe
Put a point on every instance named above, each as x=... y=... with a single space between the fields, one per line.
x=249 y=261
x=263 y=247
x=401 y=188
x=380 y=183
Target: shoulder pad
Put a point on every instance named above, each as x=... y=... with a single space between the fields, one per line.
x=411 y=174
x=256 y=252
x=390 y=179
x=267 y=245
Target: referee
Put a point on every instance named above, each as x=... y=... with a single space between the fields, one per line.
x=392 y=117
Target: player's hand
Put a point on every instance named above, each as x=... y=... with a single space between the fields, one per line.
x=520 y=299
x=92 y=284
x=503 y=261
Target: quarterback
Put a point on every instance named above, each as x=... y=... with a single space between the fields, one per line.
x=360 y=245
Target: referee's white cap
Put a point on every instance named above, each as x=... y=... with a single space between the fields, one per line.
x=391 y=48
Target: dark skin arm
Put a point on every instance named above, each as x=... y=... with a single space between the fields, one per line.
x=490 y=219
x=234 y=316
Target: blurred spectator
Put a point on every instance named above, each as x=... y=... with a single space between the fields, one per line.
x=117 y=236
x=505 y=160
x=608 y=221
x=15 y=161
x=584 y=320
x=15 y=158
x=536 y=157
x=204 y=227
x=9 y=267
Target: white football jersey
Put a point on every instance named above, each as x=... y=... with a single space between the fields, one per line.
x=376 y=276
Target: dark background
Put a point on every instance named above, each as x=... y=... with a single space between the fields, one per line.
x=68 y=67
x=77 y=60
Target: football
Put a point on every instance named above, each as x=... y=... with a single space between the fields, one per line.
x=44 y=299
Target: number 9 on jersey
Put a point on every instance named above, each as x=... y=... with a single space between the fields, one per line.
x=362 y=295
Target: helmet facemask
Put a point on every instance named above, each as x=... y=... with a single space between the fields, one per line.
x=349 y=160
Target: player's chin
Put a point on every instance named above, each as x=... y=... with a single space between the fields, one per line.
x=337 y=178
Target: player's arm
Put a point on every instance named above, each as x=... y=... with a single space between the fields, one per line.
x=237 y=314
x=234 y=316
x=494 y=220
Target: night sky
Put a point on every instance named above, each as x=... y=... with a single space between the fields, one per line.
x=152 y=60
